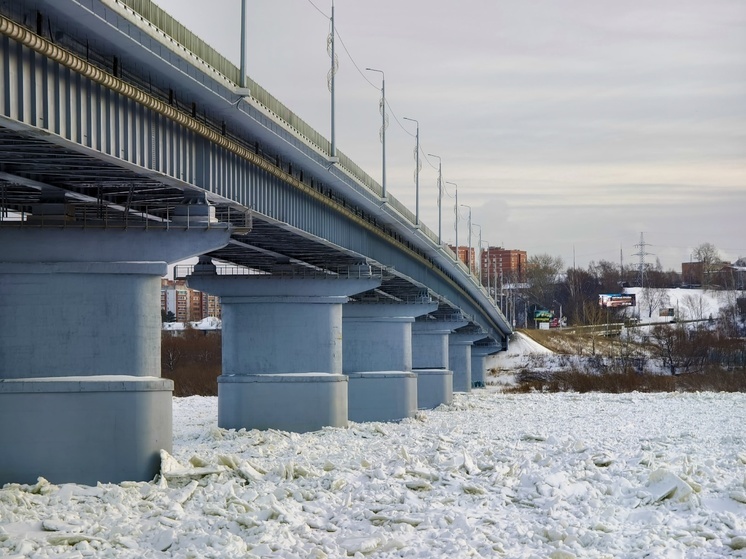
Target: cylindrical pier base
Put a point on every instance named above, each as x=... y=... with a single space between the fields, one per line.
x=85 y=430
x=434 y=387
x=298 y=402
x=382 y=395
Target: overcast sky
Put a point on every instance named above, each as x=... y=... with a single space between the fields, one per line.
x=570 y=127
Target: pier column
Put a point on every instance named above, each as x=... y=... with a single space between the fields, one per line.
x=479 y=353
x=459 y=358
x=430 y=360
x=378 y=359
x=81 y=398
x=282 y=349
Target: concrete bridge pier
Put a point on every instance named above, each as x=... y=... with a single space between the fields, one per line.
x=459 y=358
x=378 y=359
x=282 y=348
x=81 y=398
x=479 y=355
x=430 y=360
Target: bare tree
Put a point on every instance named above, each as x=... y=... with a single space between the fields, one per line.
x=607 y=274
x=708 y=255
x=695 y=306
x=680 y=349
x=653 y=298
x=543 y=274
x=595 y=316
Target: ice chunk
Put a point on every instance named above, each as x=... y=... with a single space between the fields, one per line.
x=739 y=496
x=664 y=484
x=364 y=544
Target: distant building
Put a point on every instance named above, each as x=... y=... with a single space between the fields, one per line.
x=503 y=265
x=466 y=256
x=692 y=273
x=721 y=274
x=187 y=305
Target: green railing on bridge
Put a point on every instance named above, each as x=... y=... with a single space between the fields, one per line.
x=179 y=33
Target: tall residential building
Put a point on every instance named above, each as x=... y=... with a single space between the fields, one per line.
x=503 y=265
x=187 y=305
x=466 y=256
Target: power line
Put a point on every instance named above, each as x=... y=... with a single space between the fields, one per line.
x=353 y=60
x=318 y=9
x=365 y=77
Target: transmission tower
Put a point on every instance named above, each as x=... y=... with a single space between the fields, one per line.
x=642 y=253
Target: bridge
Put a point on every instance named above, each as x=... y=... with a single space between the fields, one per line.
x=127 y=144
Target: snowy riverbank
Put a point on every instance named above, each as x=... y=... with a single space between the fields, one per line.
x=543 y=475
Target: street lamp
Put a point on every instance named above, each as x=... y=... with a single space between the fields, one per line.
x=243 y=44
x=489 y=292
x=416 y=173
x=479 y=247
x=469 y=226
x=440 y=197
x=383 y=128
x=454 y=184
x=332 y=72
x=243 y=89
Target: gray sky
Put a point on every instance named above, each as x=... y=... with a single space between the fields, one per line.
x=569 y=126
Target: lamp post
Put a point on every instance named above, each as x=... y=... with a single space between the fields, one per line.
x=332 y=73
x=383 y=128
x=489 y=292
x=479 y=247
x=242 y=77
x=469 y=226
x=440 y=197
x=416 y=173
x=454 y=184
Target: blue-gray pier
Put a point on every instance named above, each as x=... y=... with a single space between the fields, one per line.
x=126 y=144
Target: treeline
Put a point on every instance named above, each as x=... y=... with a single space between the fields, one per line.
x=574 y=290
x=193 y=360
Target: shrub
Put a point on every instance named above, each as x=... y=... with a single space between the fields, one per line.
x=711 y=380
x=193 y=360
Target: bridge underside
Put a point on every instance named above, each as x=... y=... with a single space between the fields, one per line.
x=46 y=184
x=120 y=151
x=129 y=128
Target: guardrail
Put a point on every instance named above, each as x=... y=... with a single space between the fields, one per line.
x=339 y=272
x=611 y=329
x=82 y=216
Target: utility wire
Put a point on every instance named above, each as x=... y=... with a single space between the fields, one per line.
x=353 y=60
x=365 y=77
x=318 y=9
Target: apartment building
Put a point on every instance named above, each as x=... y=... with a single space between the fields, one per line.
x=187 y=305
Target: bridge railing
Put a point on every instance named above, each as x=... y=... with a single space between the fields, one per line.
x=166 y=24
x=161 y=20
x=295 y=272
x=96 y=216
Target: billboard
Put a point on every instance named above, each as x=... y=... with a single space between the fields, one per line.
x=615 y=300
x=543 y=315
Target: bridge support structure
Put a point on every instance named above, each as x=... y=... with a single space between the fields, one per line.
x=430 y=361
x=378 y=359
x=479 y=355
x=459 y=358
x=81 y=398
x=282 y=348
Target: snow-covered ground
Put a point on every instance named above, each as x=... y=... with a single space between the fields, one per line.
x=687 y=304
x=207 y=323
x=493 y=475
x=522 y=351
